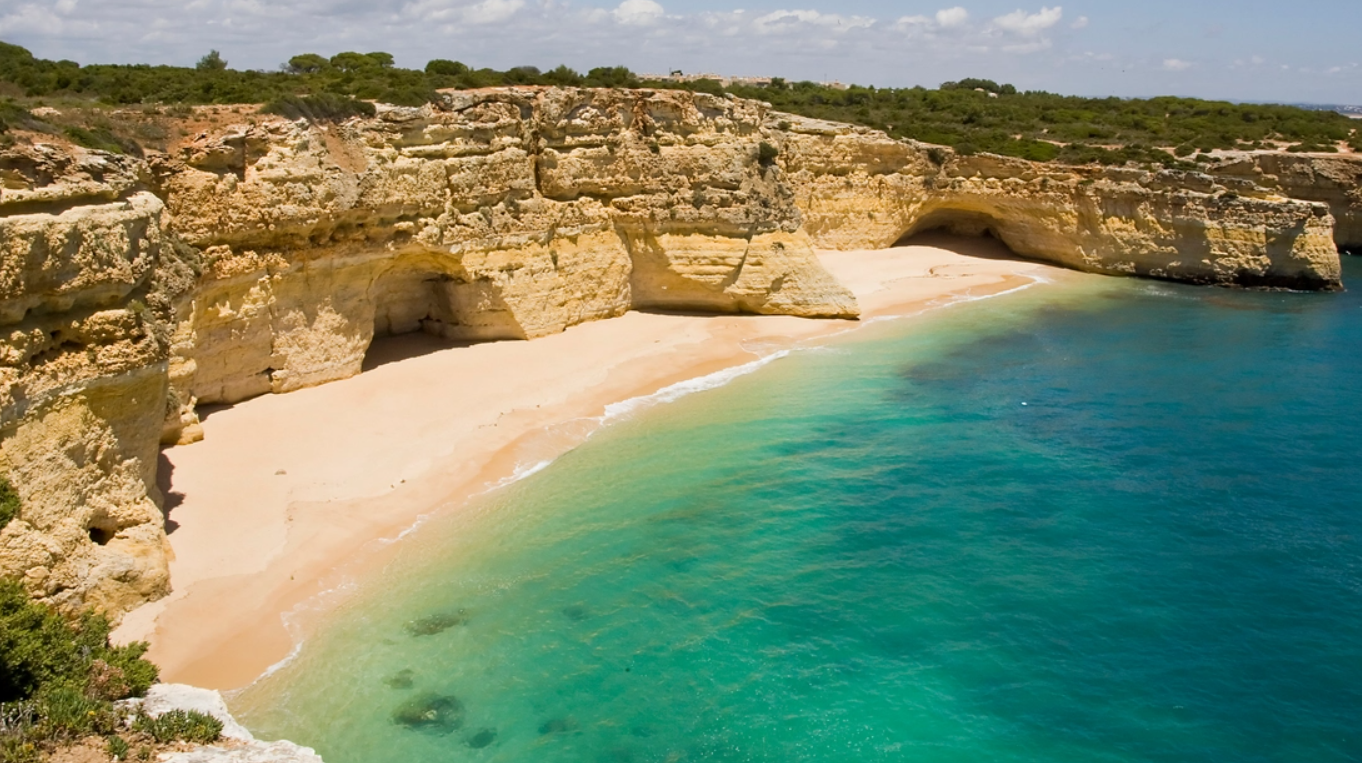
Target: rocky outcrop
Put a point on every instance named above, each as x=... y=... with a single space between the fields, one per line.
x=87 y=279
x=858 y=188
x=267 y=257
x=1335 y=179
x=503 y=214
x=237 y=744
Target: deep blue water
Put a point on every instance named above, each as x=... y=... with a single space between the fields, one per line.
x=1118 y=522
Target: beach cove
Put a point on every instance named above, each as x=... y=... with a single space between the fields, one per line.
x=290 y=498
x=1114 y=520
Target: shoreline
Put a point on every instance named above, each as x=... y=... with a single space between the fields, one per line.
x=290 y=498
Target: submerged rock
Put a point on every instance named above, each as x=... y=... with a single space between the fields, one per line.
x=402 y=679
x=439 y=713
x=436 y=623
x=576 y=613
x=557 y=726
x=482 y=739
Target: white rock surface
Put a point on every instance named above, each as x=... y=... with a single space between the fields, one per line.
x=238 y=746
x=250 y=752
x=162 y=698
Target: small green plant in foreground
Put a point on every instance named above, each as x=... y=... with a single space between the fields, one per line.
x=176 y=725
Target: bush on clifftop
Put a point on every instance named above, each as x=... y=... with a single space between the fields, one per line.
x=981 y=114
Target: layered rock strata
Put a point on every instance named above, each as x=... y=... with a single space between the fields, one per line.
x=858 y=188
x=267 y=258
x=87 y=282
x=506 y=214
x=1335 y=179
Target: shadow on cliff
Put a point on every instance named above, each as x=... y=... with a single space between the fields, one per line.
x=170 y=499
x=392 y=349
x=985 y=247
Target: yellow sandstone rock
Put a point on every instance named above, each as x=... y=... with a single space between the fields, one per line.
x=267 y=258
x=859 y=188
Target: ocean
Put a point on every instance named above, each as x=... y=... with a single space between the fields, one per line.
x=1111 y=521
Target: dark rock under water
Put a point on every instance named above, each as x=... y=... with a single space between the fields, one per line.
x=436 y=623
x=438 y=713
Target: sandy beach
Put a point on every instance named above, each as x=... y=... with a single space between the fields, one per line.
x=289 y=496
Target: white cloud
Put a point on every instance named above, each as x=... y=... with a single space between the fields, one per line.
x=948 y=18
x=482 y=12
x=783 y=21
x=1028 y=47
x=1079 y=23
x=1176 y=65
x=1025 y=24
x=638 y=12
x=910 y=23
x=492 y=11
x=30 y=19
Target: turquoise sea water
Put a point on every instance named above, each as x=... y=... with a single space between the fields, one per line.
x=1117 y=522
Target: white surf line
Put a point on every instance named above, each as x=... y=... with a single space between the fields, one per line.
x=613 y=412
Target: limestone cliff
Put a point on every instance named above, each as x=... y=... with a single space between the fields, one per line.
x=266 y=257
x=500 y=214
x=503 y=214
x=1335 y=179
x=858 y=188
x=87 y=280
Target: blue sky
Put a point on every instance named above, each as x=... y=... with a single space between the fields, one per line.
x=1248 y=50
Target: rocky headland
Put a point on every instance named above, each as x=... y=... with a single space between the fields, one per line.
x=267 y=257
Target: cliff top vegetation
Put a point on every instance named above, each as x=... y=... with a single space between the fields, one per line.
x=971 y=115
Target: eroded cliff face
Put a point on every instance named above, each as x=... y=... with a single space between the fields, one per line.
x=858 y=188
x=267 y=257
x=1335 y=179
x=505 y=214
x=87 y=280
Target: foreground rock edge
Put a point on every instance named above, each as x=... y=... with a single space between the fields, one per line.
x=237 y=746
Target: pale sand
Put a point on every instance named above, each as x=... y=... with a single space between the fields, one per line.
x=290 y=495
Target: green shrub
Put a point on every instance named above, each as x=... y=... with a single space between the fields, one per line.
x=18 y=749
x=65 y=712
x=324 y=107
x=213 y=62
x=180 y=725
x=118 y=748
x=9 y=503
x=102 y=139
x=43 y=655
x=445 y=68
x=766 y=154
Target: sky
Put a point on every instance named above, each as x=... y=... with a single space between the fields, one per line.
x=1250 y=50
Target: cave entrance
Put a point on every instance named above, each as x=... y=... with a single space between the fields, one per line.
x=414 y=314
x=420 y=310
x=974 y=234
